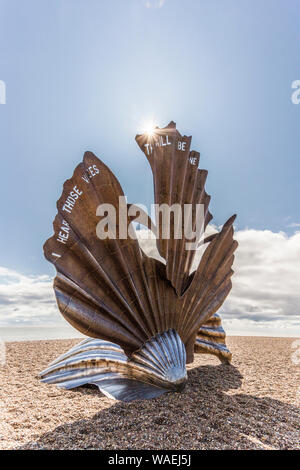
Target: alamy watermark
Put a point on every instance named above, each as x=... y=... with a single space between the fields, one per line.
x=2 y=353
x=296 y=94
x=174 y=221
x=2 y=92
x=295 y=358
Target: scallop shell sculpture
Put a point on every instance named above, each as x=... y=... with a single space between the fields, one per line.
x=144 y=318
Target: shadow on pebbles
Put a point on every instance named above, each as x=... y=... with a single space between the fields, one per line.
x=252 y=404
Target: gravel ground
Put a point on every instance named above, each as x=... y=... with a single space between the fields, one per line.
x=253 y=404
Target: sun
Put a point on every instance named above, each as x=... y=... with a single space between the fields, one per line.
x=148 y=127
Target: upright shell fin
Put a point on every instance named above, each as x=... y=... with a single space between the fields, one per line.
x=177 y=181
x=100 y=286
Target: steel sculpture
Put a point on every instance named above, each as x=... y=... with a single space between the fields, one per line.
x=144 y=318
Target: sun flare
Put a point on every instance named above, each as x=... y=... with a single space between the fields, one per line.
x=148 y=128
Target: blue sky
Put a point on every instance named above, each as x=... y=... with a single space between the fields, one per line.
x=84 y=74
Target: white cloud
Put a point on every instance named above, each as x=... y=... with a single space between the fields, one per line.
x=26 y=300
x=265 y=297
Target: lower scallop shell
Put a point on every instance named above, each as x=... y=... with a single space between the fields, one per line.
x=157 y=367
x=165 y=355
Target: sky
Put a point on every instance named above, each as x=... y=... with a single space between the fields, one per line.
x=86 y=74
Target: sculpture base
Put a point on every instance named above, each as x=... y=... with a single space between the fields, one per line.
x=157 y=367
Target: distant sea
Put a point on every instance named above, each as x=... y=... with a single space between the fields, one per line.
x=31 y=333
x=35 y=333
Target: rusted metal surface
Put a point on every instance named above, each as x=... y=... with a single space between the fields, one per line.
x=177 y=180
x=110 y=289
